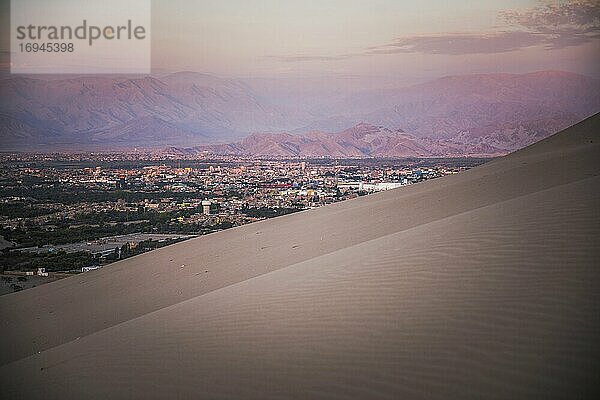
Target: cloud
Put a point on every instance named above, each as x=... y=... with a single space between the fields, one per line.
x=563 y=24
x=460 y=43
x=580 y=14
x=554 y=25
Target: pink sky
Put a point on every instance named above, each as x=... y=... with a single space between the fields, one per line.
x=403 y=40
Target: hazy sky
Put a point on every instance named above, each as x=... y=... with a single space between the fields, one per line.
x=377 y=37
x=389 y=38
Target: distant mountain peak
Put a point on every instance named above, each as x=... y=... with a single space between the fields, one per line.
x=365 y=127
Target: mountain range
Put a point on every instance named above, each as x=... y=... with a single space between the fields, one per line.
x=362 y=140
x=470 y=114
x=178 y=108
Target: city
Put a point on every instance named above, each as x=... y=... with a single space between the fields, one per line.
x=63 y=214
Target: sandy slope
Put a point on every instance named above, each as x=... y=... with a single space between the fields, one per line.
x=478 y=285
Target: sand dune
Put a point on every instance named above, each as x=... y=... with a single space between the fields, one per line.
x=479 y=285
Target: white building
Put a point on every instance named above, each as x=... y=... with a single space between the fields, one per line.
x=87 y=269
x=206 y=207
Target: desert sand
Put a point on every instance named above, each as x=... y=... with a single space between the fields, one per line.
x=478 y=285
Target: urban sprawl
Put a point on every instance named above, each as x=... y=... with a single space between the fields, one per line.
x=70 y=213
